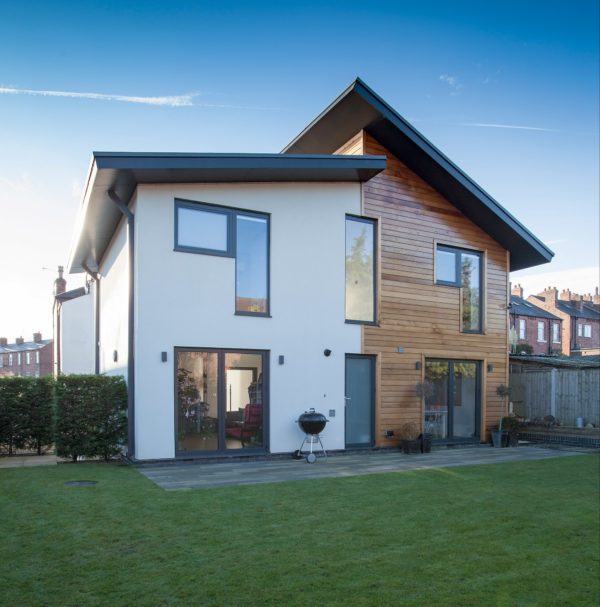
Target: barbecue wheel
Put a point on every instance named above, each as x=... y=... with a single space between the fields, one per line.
x=311 y=458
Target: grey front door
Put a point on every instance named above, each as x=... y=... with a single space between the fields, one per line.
x=360 y=399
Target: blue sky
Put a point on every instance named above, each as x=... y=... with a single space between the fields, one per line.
x=247 y=76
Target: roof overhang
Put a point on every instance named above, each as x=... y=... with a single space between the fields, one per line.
x=122 y=172
x=360 y=108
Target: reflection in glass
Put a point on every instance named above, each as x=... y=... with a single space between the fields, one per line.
x=464 y=399
x=244 y=400
x=445 y=266
x=202 y=229
x=471 y=292
x=360 y=274
x=436 y=399
x=251 y=266
x=197 y=403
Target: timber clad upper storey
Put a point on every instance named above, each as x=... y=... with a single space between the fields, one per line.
x=359 y=272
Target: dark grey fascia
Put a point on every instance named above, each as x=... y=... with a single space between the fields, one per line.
x=360 y=108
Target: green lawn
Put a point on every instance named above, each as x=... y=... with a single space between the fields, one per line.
x=505 y=534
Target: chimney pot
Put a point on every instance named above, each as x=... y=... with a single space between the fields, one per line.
x=19 y=341
x=60 y=284
x=3 y=341
x=37 y=338
x=517 y=291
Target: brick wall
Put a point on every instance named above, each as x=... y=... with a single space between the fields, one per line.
x=531 y=334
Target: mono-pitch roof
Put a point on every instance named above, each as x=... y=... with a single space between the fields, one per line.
x=360 y=108
x=121 y=172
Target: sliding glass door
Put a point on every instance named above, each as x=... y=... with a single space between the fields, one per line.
x=452 y=400
x=220 y=400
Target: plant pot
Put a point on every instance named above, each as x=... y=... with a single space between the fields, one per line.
x=410 y=446
x=499 y=439
x=425 y=439
x=513 y=439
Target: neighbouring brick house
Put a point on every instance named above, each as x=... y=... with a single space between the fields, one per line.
x=26 y=358
x=580 y=315
x=533 y=325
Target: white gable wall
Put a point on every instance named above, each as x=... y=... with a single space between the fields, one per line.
x=188 y=300
x=77 y=328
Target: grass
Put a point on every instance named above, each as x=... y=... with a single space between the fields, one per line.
x=518 y=534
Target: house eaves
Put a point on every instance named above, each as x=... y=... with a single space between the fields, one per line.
x=122 y=172
x=360 y=108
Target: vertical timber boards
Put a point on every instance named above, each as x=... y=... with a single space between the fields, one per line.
x=414 y=313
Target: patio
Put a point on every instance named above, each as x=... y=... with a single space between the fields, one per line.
x=202 y=475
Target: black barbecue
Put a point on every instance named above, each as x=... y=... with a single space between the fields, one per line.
x=312 y=424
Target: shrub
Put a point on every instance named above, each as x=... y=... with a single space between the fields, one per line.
x=90 y=416
x=26 y=411
x=524 y=349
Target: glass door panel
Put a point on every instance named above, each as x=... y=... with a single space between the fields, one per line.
x=197 y=401
x=437 y=381
x=360 y=384
x=465 y=397
x=244 y=400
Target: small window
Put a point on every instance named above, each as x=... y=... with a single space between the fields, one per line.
x=361 y=237
x=1 y=360
x=587 y=330
x=201 y=228
x=579 y=330
x=522 y=329
x=10 y=360
x=27 y=358
x=19 y=359
x=541 y=331
x=555 y=332
x=463 y=269
x=37 y=358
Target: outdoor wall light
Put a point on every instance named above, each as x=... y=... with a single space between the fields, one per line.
x=115 y=356
x=490 y=367
x=281 y=359
x=327 y=352
x=163 y=357
x=418 y=365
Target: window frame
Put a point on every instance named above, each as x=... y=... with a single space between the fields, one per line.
x=37 y=357
x=206 y=208
x=266 y=216
x=232 y=213
x=27 y=358
x=556 y=333
x=375 y=223
x=579 y=330
x=541 y=325
x=457 y=284
x=10 y=360
x=587 y=329
x=522 y=325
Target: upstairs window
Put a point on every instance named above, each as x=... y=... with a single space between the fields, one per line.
x=541 y=326
x=555 y=332
x=27 y=358
x=10 y=360
x=223 y=231
x=463 y=269
x=587 y=330
x=37 y=358
x=360 y=270
x=19 y=359
x=202 y=228
x=1 y=360
x=522 y=329
x=579 y=330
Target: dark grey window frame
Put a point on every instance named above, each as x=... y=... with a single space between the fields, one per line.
x=267 y=216
x=374 y=223
x=232 y=213
x=221 y=401
x=458 y=252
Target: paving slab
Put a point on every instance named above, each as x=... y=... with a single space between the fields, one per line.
x=202 y=475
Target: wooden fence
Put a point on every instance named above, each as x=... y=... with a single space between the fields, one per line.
x=565 y=394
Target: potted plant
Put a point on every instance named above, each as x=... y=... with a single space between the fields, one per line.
x=409 y=438
x=511 y=426
x=500 y=436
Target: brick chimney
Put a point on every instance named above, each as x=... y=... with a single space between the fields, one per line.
x=19 y=341
x=60 y=284
x=587 y=297
x=3 y=341
x=565 y=295
x=596 y=297
x=517 y=291
x=550 y=294
x=37 y=338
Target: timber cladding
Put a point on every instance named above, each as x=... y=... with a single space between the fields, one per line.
x=416 y=314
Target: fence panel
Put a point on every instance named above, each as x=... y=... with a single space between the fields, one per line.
x=566 y=394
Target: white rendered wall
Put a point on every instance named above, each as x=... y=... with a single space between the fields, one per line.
x=114 y=285
x=77 y=327
x=188 y=300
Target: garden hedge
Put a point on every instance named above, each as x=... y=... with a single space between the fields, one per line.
x=83 y=415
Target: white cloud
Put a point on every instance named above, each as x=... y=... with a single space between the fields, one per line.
x=452 y=81
x=491 y=125
x=186 y=100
